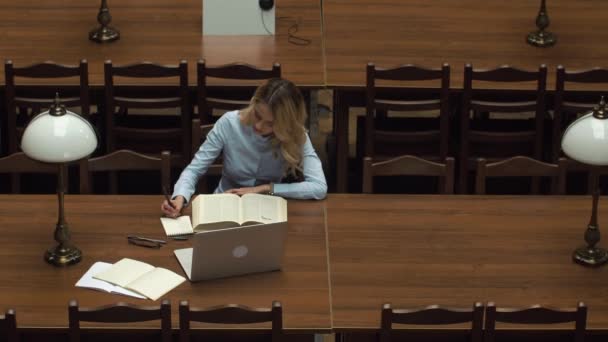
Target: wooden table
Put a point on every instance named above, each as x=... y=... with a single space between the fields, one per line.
x=429 y=33
x=32 y=31
x=484 y=33
x=414 y=251
x=99 y=225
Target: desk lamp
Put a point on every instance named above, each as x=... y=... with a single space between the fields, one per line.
x=59 y=136
x=541 y=37
x=586 y=141
x=104 y=33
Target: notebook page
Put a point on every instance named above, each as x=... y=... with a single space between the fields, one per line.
x=156 y=283
x=87 y=281
x=178 y=226
x=124 y=272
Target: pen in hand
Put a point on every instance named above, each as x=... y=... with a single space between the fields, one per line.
x=168 y=197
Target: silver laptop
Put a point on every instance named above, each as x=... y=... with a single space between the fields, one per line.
x=234 y=251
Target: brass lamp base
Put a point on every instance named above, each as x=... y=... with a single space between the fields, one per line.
x=594 y=256
x=541 y=38
x=104 y=34
x=63 y=255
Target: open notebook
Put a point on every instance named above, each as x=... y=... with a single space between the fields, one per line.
x=132 y=278
x=87 y=281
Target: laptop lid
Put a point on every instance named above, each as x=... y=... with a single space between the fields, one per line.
x=234 y=251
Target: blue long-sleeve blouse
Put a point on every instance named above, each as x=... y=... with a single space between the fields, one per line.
x=249 y=160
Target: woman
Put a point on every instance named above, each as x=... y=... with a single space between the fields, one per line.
x=262 y=145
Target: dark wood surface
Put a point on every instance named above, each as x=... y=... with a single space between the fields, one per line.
x=484 y=33
x=414 y=251
x=99 y=224
x=159 y=31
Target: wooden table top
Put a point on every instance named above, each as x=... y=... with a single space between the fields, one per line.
x=99 y=225
x=32 y=31
x=415 y=251
x=484 y=33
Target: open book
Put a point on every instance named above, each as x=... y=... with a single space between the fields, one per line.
x=141 y=278
x=217 y=211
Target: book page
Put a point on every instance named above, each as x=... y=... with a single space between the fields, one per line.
x=87 y=281
x=177 y=226
x=124 y=272
x=264 y=208
x=214 y=208
x=156 y=283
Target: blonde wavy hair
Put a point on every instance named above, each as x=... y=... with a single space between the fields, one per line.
x=289 y=110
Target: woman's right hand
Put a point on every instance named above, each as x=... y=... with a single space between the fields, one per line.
x=175 y=210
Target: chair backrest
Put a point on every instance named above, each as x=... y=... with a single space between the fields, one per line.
x=123 y=160
x=199 y=134
x=535 y=315
x=120 y=313
x=8 y=326
x=230 y=314
x=409 y=166
x=521 y=166
x=432 y=315
x=25 y=101
x=18 y=162
x=154 y=132
x=497 y=138
x=209 y=99
x=379 y=100
x=568 y=103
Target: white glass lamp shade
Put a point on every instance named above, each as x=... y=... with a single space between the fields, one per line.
x=58 y=139
x=586 y=140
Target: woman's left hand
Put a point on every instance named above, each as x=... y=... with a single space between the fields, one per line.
x=260 y=189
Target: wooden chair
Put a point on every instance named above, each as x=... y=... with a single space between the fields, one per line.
x=119 y=313
x=123 y=160
x=231 y=99
x=409 y=165
x=432 y=315
x=199 y=134
x=230 y=314
x=145 y=132
x=8 y=326
x=18 y=163
x=535 y=315
x=386 y=136
x=567 y=106
x=23 y=102
x=496 y=139
x=521 y=166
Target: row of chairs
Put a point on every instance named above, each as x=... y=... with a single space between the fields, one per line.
x=384 y=135
x=126 y=160
x=237 y=314
x=519 y=166
x=128 y=313
x=492 y=124
x=153 y=117
x=121 y=160
x=436 y=315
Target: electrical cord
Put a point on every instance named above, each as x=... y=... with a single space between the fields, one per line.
x=291 y=31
